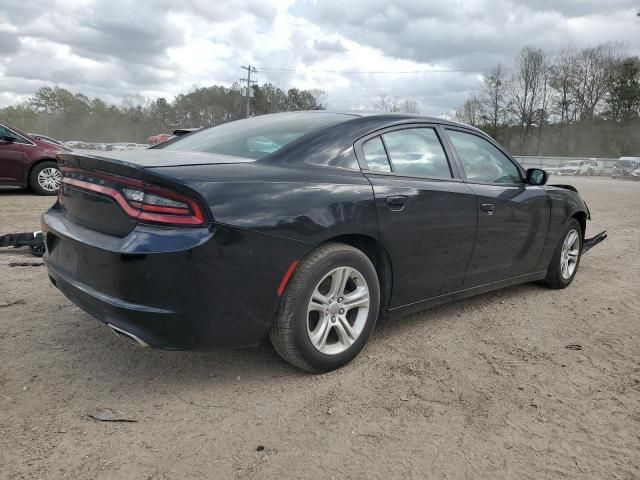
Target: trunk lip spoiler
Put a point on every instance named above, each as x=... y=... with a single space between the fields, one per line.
x=589 y=243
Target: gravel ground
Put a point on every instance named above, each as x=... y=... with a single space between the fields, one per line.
x=482 y=388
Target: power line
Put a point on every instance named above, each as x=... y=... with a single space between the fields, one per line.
x=375 y=72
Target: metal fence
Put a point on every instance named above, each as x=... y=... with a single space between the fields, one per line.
x=602 y=166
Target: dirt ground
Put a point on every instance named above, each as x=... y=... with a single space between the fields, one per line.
x=483 y=388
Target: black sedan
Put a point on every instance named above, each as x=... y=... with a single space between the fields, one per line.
x=306 y=228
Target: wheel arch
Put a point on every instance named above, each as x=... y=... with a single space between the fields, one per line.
x=379 y=256
x=27 y=179
x=36 y=163
x=582 y=220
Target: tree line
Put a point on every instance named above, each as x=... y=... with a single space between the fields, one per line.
x=576 y=103
x=59 y=113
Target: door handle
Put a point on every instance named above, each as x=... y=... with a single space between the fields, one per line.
x=396 y=202
x=488 y=208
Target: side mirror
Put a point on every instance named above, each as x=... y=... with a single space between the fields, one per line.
x=8 y=139
x=536 y=176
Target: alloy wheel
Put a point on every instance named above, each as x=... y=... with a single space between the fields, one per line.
x=569 y=254
x=49 y=179
x=338 y=310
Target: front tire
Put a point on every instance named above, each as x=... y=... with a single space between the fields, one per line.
x=566 y=258
x=328 y=309
x=45 y=178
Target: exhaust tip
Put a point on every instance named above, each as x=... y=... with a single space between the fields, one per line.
x=123 y=333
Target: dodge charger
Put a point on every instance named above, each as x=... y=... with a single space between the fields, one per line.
x=305 y=228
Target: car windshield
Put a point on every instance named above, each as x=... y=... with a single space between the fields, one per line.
x=256 y=137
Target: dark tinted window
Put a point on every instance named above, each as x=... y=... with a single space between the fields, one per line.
x=5 y=132
x=482 y=161
x=256 y=137
x=375 y=155
x=417 y=151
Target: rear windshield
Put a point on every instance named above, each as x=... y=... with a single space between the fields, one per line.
x=256 y=137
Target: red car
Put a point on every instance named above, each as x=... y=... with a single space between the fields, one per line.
x=28 y=162
x=160 y=138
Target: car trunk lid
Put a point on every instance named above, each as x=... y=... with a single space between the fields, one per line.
x=112 y=194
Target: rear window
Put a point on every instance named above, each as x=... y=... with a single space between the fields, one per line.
x=256 y=137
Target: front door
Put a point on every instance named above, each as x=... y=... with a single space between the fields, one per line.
x=426 y=216
x=11 y=159
x=513 y=218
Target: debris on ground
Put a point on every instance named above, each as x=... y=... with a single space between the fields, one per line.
x=26 y=264
x=10 y=303
x=33 y=240
x=110 y=415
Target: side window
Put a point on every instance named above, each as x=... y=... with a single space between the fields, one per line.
x=21 y=139
x=6 y=132
x=482 y=161
x=417 y=151
x=375 y=155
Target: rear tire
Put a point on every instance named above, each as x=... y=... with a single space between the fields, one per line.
x=566 y=258
x=328 y=309
x=45 y=178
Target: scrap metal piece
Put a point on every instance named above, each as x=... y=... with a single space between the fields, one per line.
x=33 y=240
x=589 y=243
x=110 y=415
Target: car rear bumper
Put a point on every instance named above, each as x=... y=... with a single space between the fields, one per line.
x=187 y=288
x=154 y=327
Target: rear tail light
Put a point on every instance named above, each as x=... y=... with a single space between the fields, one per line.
x=146 y=203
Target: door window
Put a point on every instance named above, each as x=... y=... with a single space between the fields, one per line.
x=375 y=155
x=482 y=161
x=417 y=152
x=8 y=133
x=5 y=132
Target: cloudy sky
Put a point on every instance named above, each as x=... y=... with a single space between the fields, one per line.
x=432 y=51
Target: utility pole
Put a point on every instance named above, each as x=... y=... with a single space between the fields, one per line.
x=249 y=70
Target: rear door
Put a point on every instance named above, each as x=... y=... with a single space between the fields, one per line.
x=426 y=214
x=11 y=158
x=513 y=218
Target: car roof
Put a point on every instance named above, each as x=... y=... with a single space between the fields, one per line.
x=393 y=116
x=317 y=146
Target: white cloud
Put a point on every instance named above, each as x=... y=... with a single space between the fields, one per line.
x=163 y=48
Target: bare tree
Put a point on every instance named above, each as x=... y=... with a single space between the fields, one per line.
x=561 y=80
x=470 y=112
x=545 y=96
x=385 y=103
x=555 y=100
x=320 y=97
x=526 y=87
x=592 y=77
x=408 y=105
x=136 y=101
x=493 y=98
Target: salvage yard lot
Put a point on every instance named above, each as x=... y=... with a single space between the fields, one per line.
x=483 y=388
